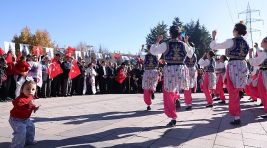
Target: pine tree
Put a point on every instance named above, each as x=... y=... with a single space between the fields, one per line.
x=160 y=29
x=199 y=35
x=177 y=22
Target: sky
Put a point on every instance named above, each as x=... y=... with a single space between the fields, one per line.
x=121 y=25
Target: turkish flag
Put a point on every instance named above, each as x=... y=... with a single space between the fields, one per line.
x=54 y=69
x=117 y=56
x=19 y=56
x=2 y=52
x=37 y=50
x=121 y=76
x=69 y=51
x=74 y=70
x=9 y=58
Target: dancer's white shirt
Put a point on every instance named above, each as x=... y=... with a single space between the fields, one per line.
x=157 y=49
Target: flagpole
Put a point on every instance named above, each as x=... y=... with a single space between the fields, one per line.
x=129 y=85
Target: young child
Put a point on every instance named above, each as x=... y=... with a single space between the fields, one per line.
x=24 y=129
x=220 y=70
x=209 y=78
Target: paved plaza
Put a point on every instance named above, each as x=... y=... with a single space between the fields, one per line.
x=122 y=121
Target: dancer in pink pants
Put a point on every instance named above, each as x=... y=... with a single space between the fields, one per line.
x=150 y=77
x=237 y=71
x=191 y=64
x=251 y=87
x=176 y=74
x=220 y=70
x=209 y=78
x=261 y=60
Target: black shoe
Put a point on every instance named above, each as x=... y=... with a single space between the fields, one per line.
x=209 y=106
x=177 y=104
x=264 y=116
x=148 y=108
x=188 y=108
x=222 y=102
x=172 y=123
x=152 y=96
x=216 y=99
x=236 y=122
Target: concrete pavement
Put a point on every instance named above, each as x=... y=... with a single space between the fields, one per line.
x=122 y=121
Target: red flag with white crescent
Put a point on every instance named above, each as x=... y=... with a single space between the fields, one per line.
x=54 y=69
x=74 y=71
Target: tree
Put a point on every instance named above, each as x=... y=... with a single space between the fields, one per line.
x=40 y=37
x=177 y=22
x=160 y=29
x=198 y=35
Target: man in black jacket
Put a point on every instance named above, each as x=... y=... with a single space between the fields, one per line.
x=66 y=66
x=56 y=82
x=110 y=78
x=77 y=82
x=102 y=74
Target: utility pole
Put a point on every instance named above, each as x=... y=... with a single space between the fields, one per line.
x=250 y=20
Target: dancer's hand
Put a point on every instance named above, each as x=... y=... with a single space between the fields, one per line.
x=256 y=45
x=186 y=39
x=250 y=52
x=214 y=33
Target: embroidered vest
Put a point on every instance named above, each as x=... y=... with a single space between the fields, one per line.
x=210 y=67
x=151 y=62
x=175 y=53
x=239 y=49
x=190 y=62
x=264 y=63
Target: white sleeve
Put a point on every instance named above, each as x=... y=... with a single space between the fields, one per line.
x=258 y=50
x=219 y=65
x=189 y=50
x=258 y=60
x=224 y=45
x=203 y=62
x=157 y=49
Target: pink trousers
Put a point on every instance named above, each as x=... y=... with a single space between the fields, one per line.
x=234 y=98
x=169 y=99
x=147 y=97
x=188 y=97
x=252 y=91
x=219 y=87
x=262 y=91
x=205 y=88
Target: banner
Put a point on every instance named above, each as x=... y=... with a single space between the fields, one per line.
x=78 y=54
x=125 y=58
x=39 y=75
x=24 y=49
x=99 y=56
x=9 y=46
x=50 y=52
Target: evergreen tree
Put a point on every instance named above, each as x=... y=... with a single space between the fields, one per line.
x=160 y=29
x=177 y=22
x=199 y=35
